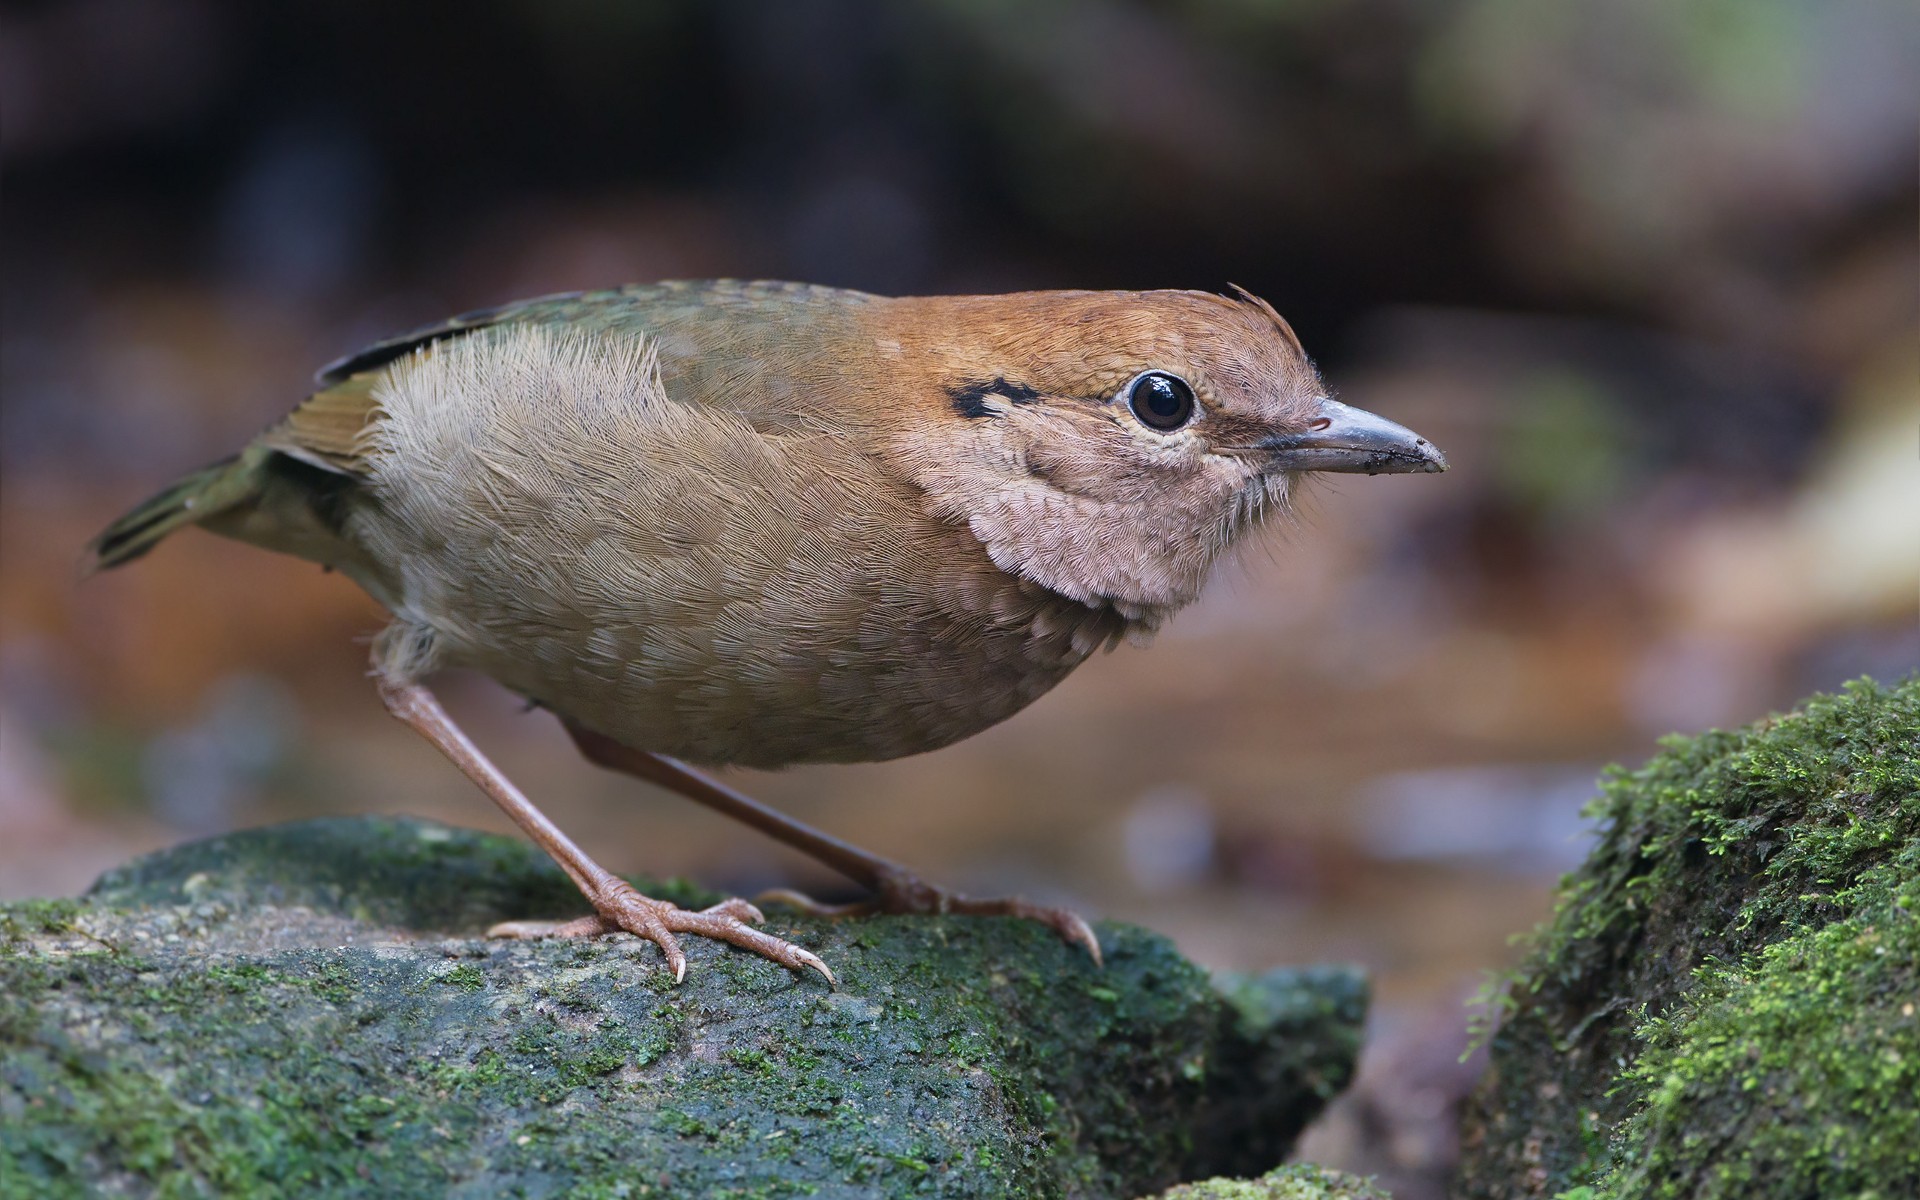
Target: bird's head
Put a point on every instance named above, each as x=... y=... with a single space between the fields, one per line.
x=1110 y=445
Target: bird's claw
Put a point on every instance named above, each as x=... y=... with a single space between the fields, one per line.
x=905 y=892
x=622 y=909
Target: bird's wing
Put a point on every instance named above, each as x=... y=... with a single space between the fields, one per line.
x=718 y=343
x=634 y=307
x=386 y=350
x=328 y=429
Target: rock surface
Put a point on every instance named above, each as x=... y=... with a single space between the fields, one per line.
x=1296 y=1181
x=1724 y=1004
x=309 y=1010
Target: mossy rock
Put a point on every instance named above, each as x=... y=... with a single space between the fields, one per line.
x=1724 y=1004
x=310 y=1010
x=1295 y=1181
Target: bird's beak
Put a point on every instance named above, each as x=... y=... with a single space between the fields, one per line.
x=1349 y=439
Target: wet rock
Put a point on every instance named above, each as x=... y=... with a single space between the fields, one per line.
x=310 y=1009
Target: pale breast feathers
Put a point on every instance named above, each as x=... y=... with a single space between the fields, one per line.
x=672 y=575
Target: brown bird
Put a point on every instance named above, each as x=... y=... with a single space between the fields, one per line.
x=769 y=523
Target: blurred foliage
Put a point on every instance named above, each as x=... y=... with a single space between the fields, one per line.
x=1567 y=453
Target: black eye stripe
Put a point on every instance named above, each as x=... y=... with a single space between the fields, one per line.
x=1162 y=401
x=970 y=399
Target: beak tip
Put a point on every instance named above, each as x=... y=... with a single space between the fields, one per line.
x=1353 y=440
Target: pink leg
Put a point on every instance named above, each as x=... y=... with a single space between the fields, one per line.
x=896 y=888
x=616 y=904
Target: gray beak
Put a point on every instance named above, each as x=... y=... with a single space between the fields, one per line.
x=1349 y=439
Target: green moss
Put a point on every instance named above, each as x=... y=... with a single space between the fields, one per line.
x=1818 y=1039
x=81 y=1106
x=23 y=921
x=1720 y=1006
x=430 y=876
x=466 y=976
x=1295 y=1181
x=1805 y=803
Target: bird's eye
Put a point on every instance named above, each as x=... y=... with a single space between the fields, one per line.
x=1161 y=401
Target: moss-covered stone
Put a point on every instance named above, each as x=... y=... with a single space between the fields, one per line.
x=1295 y=1181
x=309 y=1010
x=1724 y=1002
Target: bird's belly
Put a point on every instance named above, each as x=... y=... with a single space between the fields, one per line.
x=780 y=699
x=751 y=638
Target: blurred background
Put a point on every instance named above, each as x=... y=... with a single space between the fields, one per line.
x=1647 y=271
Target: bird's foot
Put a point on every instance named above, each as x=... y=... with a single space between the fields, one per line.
x=902 y=891
x=620 y=908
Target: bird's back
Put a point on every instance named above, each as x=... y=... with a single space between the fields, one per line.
x=743 y=345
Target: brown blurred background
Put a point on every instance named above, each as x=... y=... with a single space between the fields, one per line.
x=1647 y=271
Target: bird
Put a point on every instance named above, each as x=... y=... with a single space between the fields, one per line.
x=711 y=523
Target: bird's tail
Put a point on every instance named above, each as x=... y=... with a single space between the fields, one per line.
x=205 y=493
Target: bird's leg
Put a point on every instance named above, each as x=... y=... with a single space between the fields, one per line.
x=896 y=889
x=617 y=905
